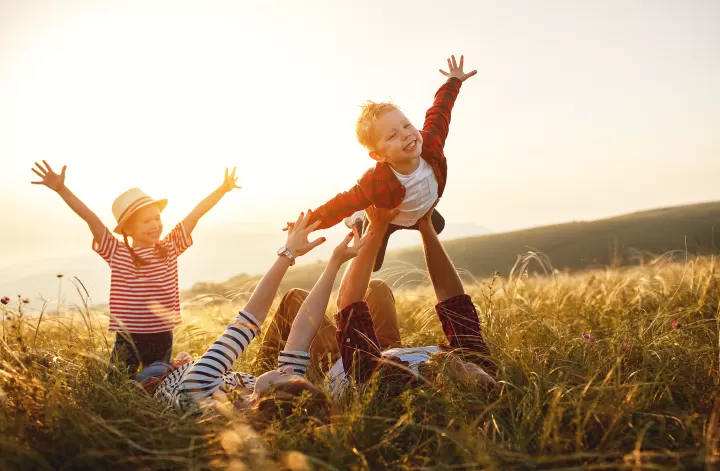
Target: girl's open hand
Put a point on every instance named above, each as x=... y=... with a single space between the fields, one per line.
x=48 y=177
x=230 y=181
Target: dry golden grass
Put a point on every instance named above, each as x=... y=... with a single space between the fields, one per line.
x=611 y=369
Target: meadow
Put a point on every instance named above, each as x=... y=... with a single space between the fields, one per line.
x=611 y=368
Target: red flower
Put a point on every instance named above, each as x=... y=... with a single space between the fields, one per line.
x=625 y=347
x=5 y=299
x=675 y=325
x=26 y=300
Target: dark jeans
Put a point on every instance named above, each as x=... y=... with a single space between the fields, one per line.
x=132 y=350
x=438 y=223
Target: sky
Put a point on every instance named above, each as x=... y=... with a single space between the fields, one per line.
x=580 y=109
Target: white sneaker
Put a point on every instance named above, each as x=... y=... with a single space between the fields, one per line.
x=358 y=218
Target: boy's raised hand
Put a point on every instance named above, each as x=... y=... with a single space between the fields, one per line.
x=456 y=70
x=230 y=181
x=48 y=177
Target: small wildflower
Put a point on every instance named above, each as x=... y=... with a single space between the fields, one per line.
x=5 y=299
x=675 y=325
x=26 y=300
x=625 y=347
x=586 y=336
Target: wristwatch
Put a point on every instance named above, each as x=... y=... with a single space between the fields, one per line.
x=284 y=251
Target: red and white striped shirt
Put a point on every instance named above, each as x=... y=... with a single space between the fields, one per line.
x=145 y=299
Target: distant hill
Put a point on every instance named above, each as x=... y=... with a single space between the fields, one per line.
x=622 y=240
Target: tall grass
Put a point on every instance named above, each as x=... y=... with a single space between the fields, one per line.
x=613 y=369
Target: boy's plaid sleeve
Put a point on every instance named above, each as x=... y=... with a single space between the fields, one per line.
x=461 y=326
x=357 y=341
x=437 y=118
x=343 y=205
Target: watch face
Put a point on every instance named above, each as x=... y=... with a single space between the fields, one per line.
x=281 y=250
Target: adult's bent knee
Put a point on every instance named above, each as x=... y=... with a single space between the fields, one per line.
x=381 y=288
x=295 y=295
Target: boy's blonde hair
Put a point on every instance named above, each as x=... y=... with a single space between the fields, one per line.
x=365 y=126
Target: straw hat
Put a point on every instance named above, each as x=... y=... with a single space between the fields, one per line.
x=128 y=203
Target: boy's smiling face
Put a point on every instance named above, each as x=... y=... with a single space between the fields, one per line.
x=397 y=141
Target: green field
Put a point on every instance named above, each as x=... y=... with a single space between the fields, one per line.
x=638 y=392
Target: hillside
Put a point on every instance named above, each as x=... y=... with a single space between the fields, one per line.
x=622 y=240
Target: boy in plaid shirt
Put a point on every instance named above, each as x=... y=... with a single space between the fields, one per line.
x=411 y=169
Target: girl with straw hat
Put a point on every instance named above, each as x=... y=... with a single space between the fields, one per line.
x=144 y=293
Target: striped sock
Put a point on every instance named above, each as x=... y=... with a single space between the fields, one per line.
x=297 y=359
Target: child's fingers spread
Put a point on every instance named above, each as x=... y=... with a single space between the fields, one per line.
x=450 y=65
x=62 y=172
x=39 y=167
x=443 y=72
x=49 y=168
x=462 y=61
x=37 y=173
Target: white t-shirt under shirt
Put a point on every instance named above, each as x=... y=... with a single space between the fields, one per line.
x=421 y=192
x=413 y=355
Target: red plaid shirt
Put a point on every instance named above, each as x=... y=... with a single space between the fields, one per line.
x=379 y=186
x=358 y=342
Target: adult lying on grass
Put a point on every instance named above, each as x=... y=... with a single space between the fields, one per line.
x=205 y=381
x=324 y=350
x=367 y=326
